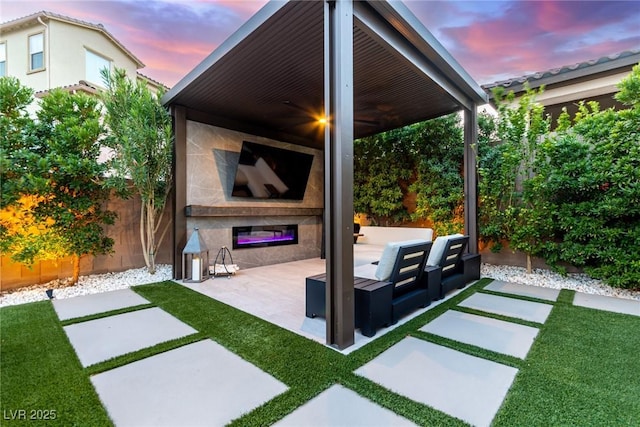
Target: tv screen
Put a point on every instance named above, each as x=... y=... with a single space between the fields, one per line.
x=266 y=172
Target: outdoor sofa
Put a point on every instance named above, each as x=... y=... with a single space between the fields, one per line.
x=384 y=291
x=448 y=267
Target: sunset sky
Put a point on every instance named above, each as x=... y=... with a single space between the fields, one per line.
x=492 y=40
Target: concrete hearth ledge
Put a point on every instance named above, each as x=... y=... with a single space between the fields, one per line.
x=101 y=339
x=492 y=334
x=87 y=305
x=524 y=290
x=200 y=384
x=519 y=309
x=601 y=302
x=463 y=386
x=340 y=406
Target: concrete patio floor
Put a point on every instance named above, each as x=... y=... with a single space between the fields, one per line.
x=203 y=383
x=276 y=293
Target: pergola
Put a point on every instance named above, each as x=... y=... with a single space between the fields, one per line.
x=363 y=66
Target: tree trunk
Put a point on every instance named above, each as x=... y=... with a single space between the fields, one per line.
x=75 y=259
x=529 y=270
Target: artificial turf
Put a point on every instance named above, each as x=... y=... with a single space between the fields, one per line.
x=581 y=370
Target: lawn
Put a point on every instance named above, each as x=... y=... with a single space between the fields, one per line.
x=582 y=369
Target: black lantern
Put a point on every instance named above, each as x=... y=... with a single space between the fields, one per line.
x=195 y=259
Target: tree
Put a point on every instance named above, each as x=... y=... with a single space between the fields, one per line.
x=142 y=142
x=509 y=206
x=53 y=197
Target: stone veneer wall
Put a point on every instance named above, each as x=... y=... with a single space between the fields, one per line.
x=212 y=158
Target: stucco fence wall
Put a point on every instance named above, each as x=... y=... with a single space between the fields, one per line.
x=127 y=252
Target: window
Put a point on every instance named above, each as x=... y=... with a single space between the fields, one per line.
x=36 y=52
x=3 y=59
x=94 y=65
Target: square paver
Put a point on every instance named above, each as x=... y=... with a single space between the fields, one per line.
x=493 y=334
x=200 y=384
x=602 y=302
x=101 y=339
x=463 y=386
x=524 y=290
x=86 y=305
x=340 y=406
x=526 y=310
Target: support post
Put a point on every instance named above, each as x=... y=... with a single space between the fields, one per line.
x=471 y=177
x=179 y=187
x=338 y=103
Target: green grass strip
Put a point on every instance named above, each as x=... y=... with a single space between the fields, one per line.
x=470 y=349
x=418 y=413
x=497 y=316
x=125 y=359
x=583 y=369
x=510 y=295
x=40 y=373
x=106 y=314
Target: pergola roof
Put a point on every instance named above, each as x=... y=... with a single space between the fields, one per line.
x=268 y=78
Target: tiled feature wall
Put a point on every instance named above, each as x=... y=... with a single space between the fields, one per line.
x=212 y=156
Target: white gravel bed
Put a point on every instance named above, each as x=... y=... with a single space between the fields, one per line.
x=550 y=279
x=113 y=281
x=86 y=285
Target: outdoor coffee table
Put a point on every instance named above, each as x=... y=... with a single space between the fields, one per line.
x=372 y=302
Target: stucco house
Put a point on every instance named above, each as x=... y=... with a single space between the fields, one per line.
x=565 y=86
x=46 y=50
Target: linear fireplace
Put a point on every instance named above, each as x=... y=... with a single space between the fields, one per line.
x=264 y=235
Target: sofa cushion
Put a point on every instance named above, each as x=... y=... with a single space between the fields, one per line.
x=389 y=255
x=374 y=235
x=438 y=248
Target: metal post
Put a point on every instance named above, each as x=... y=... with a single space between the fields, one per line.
x=179 y=187
x=338 y=101
x=471 y=177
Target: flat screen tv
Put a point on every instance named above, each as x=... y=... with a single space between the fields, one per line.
x=266 y=172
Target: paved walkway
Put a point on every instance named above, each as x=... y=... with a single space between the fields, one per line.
x=203 y=383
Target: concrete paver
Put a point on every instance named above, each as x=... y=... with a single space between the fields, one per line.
x=524 y=290
x=101 y=339
x=340 y=406
x=526 y=310
x=493 y=334
x=86 y=305
x=200 y=384
x=601 y=302
x=463 y=386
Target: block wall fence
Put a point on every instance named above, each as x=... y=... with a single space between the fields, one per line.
x=127 y=252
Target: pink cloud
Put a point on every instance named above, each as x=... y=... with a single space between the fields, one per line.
x=491 y=39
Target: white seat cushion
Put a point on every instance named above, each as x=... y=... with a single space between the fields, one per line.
x=388 y=258
x=438 y=248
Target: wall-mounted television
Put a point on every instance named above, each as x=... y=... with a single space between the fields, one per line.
x=266 y=172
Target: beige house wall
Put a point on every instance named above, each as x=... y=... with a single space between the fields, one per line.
x=65 y=47
x=582 y=90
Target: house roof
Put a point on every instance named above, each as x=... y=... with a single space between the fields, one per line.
x=268 y=78
x=81 y=86
x=32 y=19
x=566 y=74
